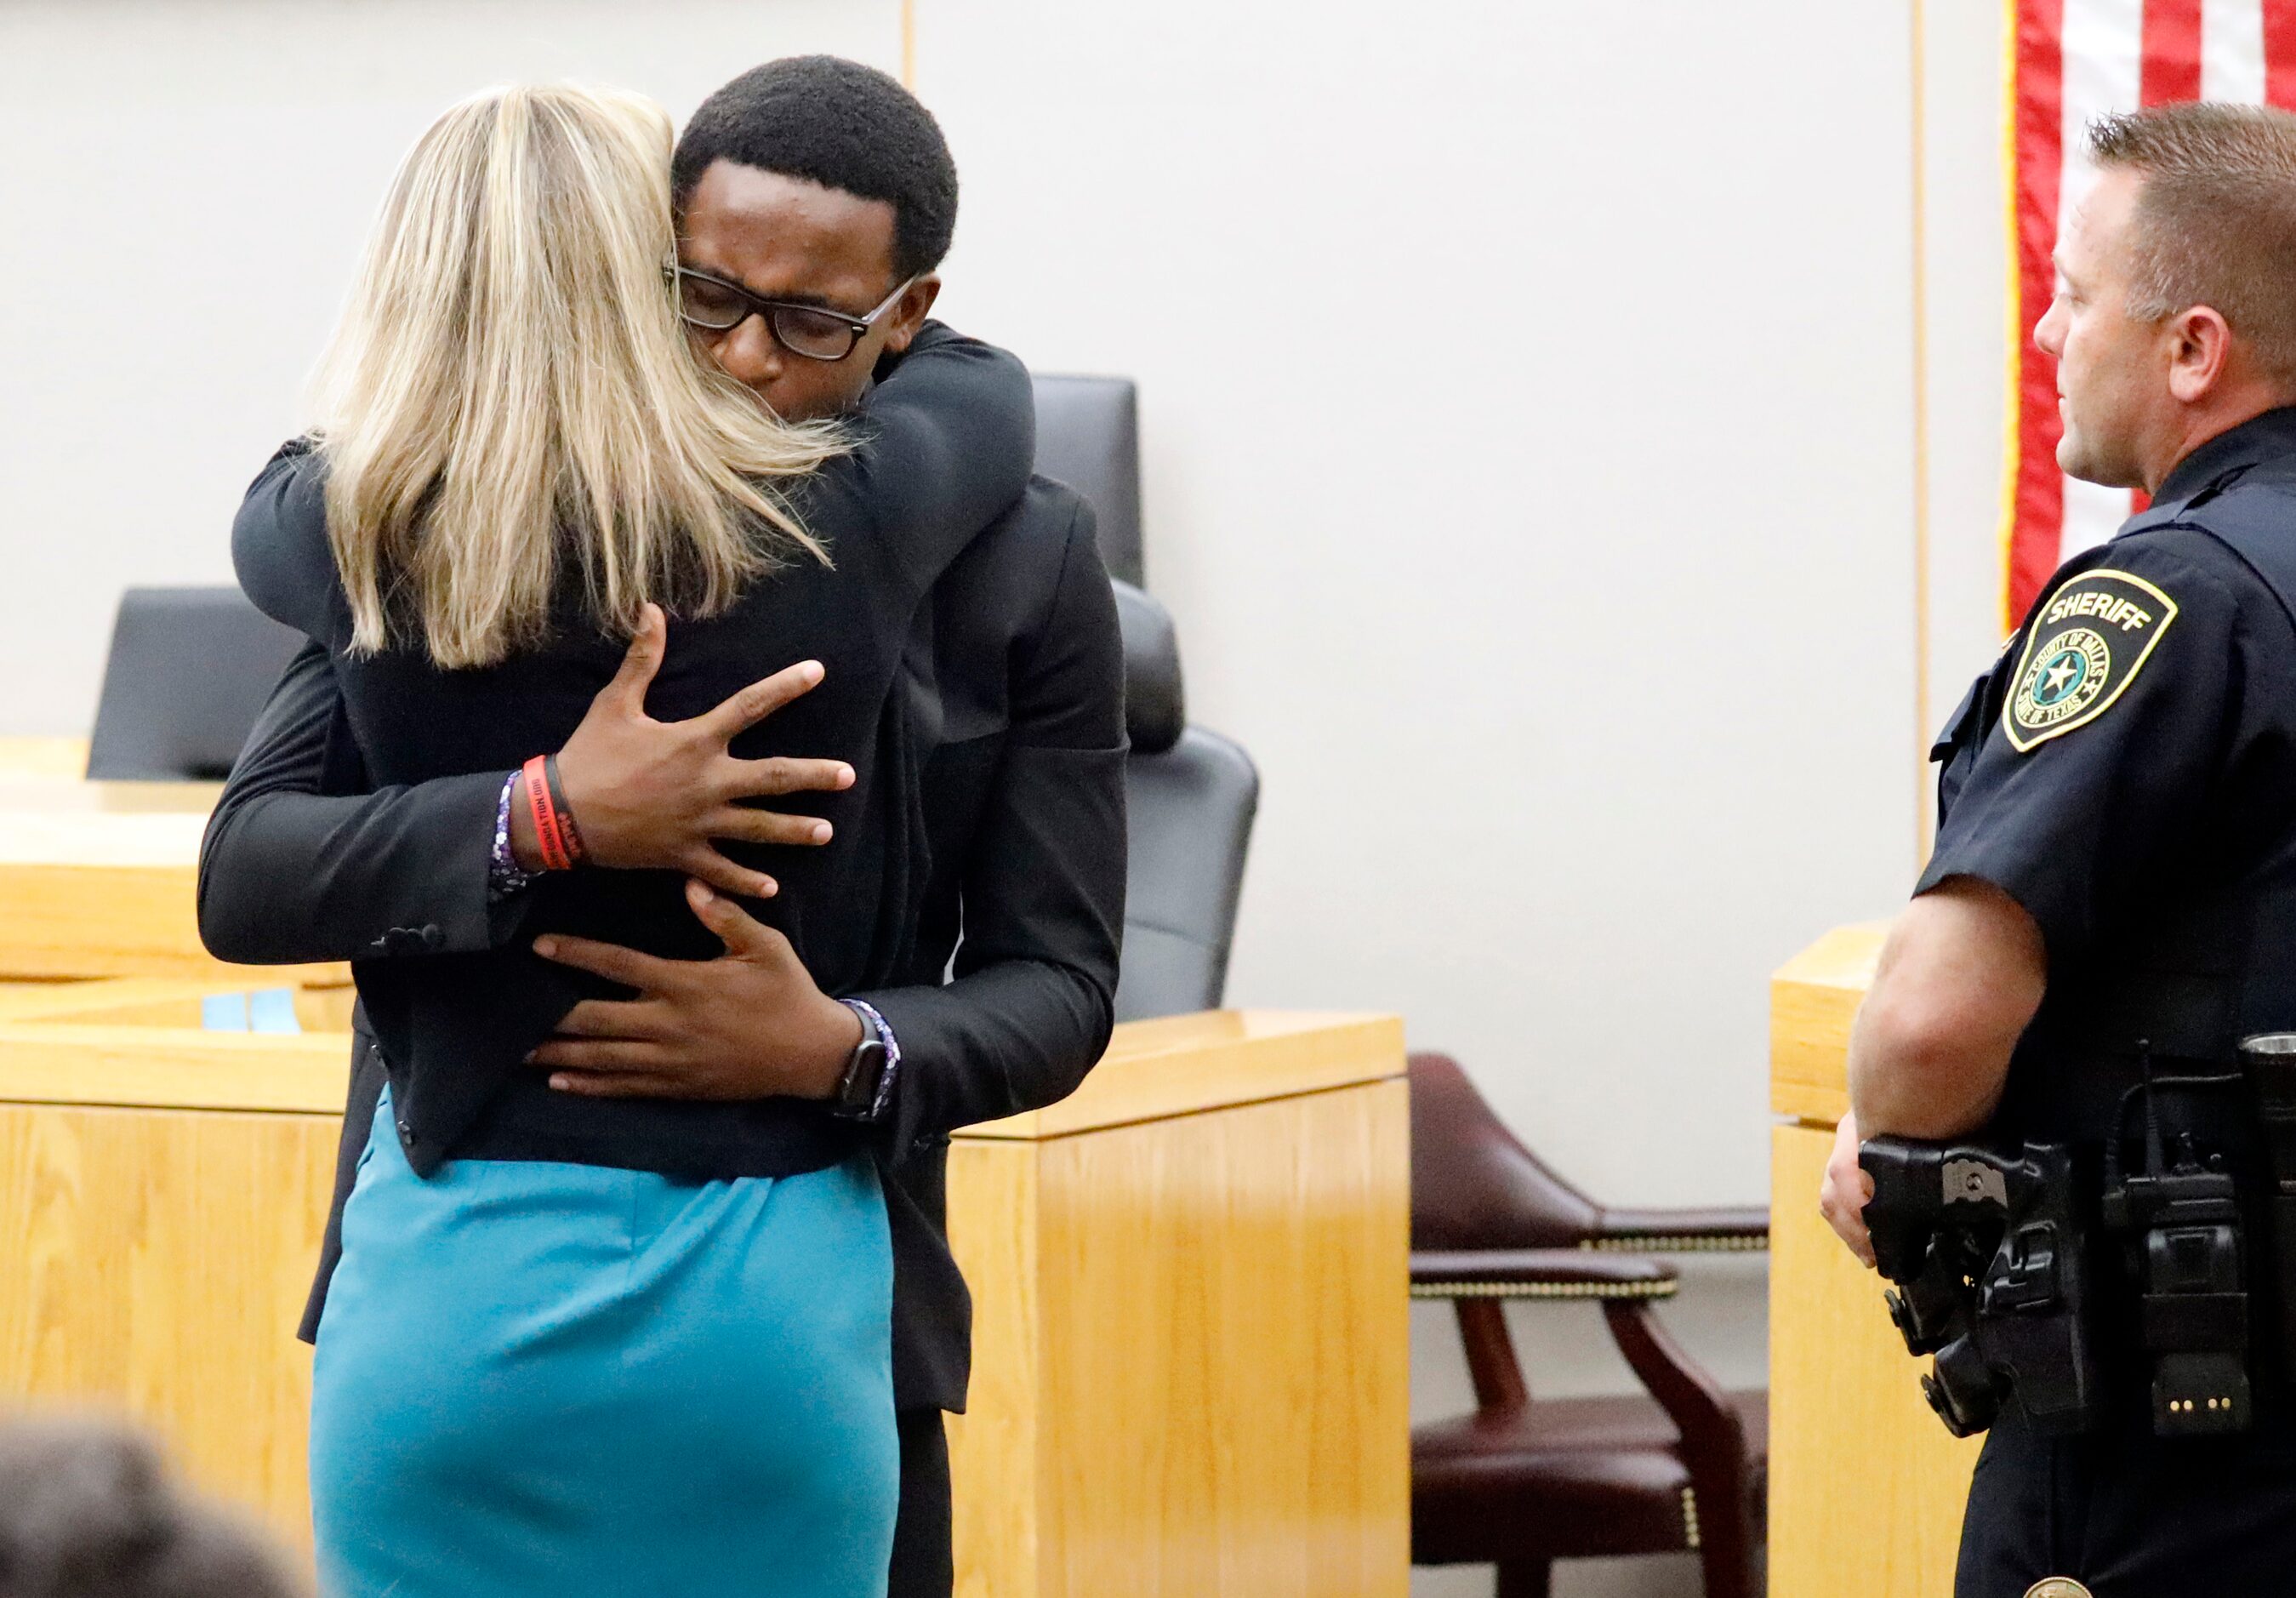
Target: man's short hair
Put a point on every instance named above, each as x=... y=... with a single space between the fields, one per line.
x=2215 y=223
x=841 y=124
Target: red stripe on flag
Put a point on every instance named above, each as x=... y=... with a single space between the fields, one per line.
x=2037 y=511
x=2172 y=52
x=2280 y=52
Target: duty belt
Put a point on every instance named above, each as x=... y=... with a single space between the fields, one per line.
x=1998 y=1260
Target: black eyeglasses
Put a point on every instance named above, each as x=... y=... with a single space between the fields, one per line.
x=812 y=331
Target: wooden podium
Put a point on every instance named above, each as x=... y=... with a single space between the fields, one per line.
x=1191 y=1343
x=1191 y=1340
x=1866 y=1488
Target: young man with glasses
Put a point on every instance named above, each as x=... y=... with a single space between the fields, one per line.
x=815 y=199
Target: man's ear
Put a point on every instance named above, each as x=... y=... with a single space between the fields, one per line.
x=909 y=315
x=2199 y=351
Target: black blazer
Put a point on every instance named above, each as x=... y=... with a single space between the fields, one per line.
x=1007 y=685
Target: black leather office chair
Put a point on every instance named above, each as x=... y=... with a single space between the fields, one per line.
x=1191 y=795
x=189 y=671
x=1190 y=792
x=1088 y=437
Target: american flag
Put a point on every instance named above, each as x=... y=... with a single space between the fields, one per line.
x=2071 y=60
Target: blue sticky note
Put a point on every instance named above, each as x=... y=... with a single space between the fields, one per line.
x=224 y=1013
x=272 y=1009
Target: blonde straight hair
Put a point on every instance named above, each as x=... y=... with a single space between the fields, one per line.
x=510 y=386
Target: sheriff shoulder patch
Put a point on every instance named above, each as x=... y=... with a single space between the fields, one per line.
x=2081 y=653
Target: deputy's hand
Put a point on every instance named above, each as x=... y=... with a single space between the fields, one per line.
x=661 y=794
x=1843 y=1195
x=749 y=1024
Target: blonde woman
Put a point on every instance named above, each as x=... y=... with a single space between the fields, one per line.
x=580 y=1344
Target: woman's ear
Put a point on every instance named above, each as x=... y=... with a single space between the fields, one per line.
x=909 y=315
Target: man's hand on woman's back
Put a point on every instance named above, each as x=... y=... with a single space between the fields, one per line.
x=751 y=1024
x=663 y=793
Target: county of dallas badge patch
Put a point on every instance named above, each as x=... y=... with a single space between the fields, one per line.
x=2081 y=653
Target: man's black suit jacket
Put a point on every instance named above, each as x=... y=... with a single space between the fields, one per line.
x=1015 y=671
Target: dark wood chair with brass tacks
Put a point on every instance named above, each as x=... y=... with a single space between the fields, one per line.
x=1523 y=1482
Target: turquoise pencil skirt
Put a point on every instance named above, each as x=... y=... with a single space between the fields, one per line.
x=539 y=1381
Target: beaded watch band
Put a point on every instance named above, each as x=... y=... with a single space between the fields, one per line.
x=883 y=1096
x=504 y=875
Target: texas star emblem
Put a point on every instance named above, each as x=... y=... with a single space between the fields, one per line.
x=2082 y=651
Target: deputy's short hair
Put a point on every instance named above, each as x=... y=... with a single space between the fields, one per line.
x=2215 y=223
x=839 y=124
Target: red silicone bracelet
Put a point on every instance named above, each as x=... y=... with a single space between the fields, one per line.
x=554 y=857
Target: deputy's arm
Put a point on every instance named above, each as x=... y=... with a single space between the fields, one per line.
x=1960 y=977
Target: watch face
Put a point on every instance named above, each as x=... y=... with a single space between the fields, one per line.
x=856 y=1093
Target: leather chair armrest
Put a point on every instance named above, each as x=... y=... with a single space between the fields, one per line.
x=1713 y=1435
x=1682 y=1231
x=1536 y=1273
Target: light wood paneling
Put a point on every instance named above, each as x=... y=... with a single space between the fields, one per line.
x=996 y=1448
x=99 y=921
x=1846 y=1408
x=173 y=1067
x=30 y=997
x=31 y=756
x=1218 y=1327
x=1814 y=997
x=1181 y=1064
x=167 y=1001
x=101 y=879
x=1260 y=1258
x=156 y=1262
x=1845 y=1396
x=54 y=818
x=102 y=919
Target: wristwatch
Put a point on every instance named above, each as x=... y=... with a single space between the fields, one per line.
x=859 y=1095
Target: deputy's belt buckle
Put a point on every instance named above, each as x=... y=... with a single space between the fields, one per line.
x=2057 y=1586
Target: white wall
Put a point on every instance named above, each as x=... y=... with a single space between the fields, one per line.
x=1966 y=272
x=1564 y=603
